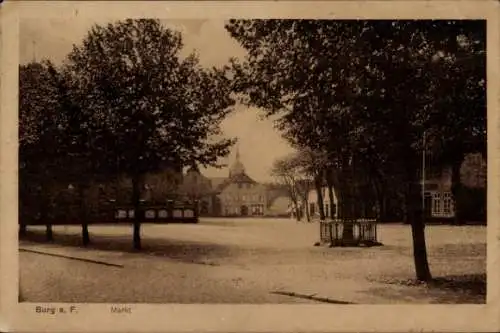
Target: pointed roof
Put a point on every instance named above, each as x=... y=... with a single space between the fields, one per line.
x=237 y=167
x=34 y=50
x=241 y=178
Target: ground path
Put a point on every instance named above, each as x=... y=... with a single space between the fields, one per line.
x=244 y=261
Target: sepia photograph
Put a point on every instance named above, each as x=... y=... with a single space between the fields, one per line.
x=257 y=161
x=305 y=161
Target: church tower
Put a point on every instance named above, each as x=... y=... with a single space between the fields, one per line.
x=237 y=168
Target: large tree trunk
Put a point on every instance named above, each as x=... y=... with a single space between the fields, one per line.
x=49 y=234
x=45 y=196
x=379 y=200
x=318 y=182
x=83 y=212
x=306 y=209
x=295 y=205
x=136 y=196
x=347 y=206
x=329 y=183
x=337 y=188
x=340 y=202
x=456 y=185
x=292 y=192
x=415 y=218
x=374 y=184
x=348 y=231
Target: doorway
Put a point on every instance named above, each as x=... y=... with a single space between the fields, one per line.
x=244 y=210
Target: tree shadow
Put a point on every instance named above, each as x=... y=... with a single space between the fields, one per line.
x=179 y=250
x=468 y=284
x=452 y=289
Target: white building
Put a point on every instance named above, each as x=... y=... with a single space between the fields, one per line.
x=312 y=204
x=280 y=206
x=438 y=199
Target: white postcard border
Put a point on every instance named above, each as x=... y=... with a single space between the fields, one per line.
x=199 y=317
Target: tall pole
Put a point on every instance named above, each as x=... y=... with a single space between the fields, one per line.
x=34 y=51
x=423 y=177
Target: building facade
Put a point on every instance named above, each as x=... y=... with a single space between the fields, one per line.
x=311 y=207
x=438 y=198
x=280 y=206
x=437 y=183
x=243 y=197
x=197 y=187
x=235 y=195
x=240 y=195
x=313 y=203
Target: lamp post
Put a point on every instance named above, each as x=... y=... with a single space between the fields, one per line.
x=423 y=176
x=34 y=51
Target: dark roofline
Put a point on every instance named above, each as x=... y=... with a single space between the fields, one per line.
x=242 y=178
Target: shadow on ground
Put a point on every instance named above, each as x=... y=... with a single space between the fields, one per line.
x=456 y=289
x=184 y=251
x=471 y=283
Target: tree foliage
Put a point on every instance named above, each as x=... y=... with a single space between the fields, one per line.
x=291 y=171
x=125 y=103
x=143 y=106
x=42 y=142
x=41 y=122
x=364 y=93
x=147 y=107
x=299 y=171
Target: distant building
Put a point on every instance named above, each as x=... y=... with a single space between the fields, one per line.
x=236 y=195
x=439 y=202
x=311 y=206
x=280 y=206
x=313 y=202
x=438 y=198
x=197 y=187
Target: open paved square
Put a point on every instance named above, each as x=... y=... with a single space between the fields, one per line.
x=248 y=261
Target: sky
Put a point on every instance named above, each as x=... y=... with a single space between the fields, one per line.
x=259 y=143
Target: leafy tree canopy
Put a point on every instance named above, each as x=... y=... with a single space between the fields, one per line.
x=370 y=87
x=365 y=92
x=144 y=106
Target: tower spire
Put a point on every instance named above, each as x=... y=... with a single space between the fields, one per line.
x=237 y=167
x=34 y=50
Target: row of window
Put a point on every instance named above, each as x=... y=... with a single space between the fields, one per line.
x=244 y=197
x=441 y=205
x=232 y=211
x=257 y=209
x=244 y=210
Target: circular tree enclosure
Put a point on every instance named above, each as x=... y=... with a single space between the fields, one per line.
x=355 y=221
x=349 y=232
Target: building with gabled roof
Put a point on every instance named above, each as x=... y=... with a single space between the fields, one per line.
x=235 y=195
x=239 y=194
x=437 y=187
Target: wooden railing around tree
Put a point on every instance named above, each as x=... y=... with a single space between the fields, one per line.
x=349 y=232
